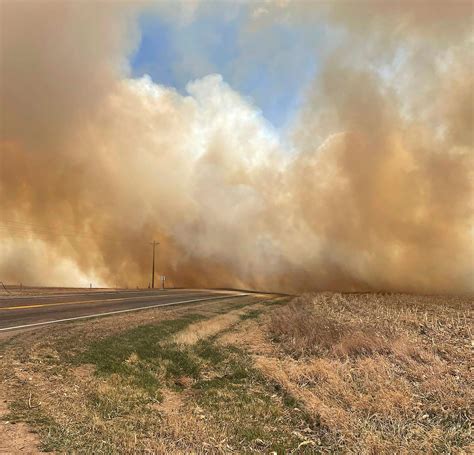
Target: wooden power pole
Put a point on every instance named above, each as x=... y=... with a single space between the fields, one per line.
x=153 y=265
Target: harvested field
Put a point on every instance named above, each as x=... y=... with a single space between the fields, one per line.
x=380 y=373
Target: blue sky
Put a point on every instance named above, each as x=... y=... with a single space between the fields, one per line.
x=272 y=65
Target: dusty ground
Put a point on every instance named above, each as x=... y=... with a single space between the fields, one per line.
x=17 y=437
x=326 y=373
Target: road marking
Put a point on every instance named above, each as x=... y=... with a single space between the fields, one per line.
x=121 y=299
x=36 y=324
x=92 y=293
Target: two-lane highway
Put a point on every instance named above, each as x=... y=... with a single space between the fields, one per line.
x=31 y=311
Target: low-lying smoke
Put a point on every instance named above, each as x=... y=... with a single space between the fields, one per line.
x=373 y=190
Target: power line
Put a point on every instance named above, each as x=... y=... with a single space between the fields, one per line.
x=29 y=223
x=25 y=230
x=23 y=224
x=52 y=236
x=19 y=225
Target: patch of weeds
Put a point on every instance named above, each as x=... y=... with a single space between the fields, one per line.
x=112 y=354
x=207 y=351
x=238 y=397
x=118 y=401
x=178 y=362
x=4 y=344
x=252 y=314
x=233 y=306
x=20 y=411
x=276 y=301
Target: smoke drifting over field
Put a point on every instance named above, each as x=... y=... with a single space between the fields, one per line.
x=372 y=188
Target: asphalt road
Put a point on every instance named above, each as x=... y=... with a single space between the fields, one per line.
x=30 y=311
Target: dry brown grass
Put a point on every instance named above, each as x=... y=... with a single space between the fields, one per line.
x=303 y=330
x=381 y=373
x=209 y=327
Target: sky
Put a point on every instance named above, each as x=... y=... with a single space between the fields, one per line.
x=216 y=41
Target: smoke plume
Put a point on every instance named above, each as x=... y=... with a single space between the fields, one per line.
x=372 y=188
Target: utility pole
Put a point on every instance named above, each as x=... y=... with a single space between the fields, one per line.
x=153 y=265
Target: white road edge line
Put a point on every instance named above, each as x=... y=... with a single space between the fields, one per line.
x=36 y=324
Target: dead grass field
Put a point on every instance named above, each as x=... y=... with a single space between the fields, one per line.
x=324 y=373
x=381 y=373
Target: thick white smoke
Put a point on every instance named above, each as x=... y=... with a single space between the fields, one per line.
x=374 y=190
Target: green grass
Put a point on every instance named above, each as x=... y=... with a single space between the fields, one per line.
x=155 y=359
x=109 y=354
x=241 y=399
x=252 y=314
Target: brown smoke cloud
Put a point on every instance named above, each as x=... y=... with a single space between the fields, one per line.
x=374 y=193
